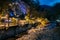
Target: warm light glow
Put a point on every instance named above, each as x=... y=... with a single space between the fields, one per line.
x=14 y=21
x=22 y=22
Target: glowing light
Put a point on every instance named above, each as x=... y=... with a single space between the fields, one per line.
x=22 y=7
x=22 y=22
x=10 y=4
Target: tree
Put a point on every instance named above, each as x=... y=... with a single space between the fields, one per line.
x=57 y=10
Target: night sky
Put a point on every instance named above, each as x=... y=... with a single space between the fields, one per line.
x=49 y=2
x=44 y=2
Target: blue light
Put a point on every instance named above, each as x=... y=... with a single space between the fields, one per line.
x=11 y=13
x=23 y=8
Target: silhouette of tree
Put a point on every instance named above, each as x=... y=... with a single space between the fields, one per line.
x=57 y=10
